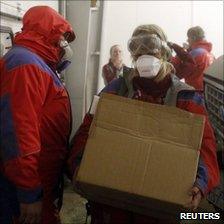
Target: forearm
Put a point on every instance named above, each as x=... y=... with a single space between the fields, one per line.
x=183 y=63
x=202 y=177
x=182 y=54
x=208 y=171
x=78 y=144
x=23 y=173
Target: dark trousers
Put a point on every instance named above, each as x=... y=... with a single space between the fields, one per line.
x=9 y=206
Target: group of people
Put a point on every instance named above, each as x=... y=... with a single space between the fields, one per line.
x=35 y=121
x=190 y=61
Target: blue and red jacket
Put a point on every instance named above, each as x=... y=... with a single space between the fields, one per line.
x=192 y=64
x=35 y=117
x=208 y=171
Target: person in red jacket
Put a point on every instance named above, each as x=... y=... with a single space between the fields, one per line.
x=35 y=119
x=199 y=57
x=152 y=80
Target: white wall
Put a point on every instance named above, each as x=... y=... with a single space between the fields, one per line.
x=82 y=75
x=175 y=17
x=78 y=13
x=209 y=15
x=24 y=5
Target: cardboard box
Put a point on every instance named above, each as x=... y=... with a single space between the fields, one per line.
x=140 y=156
x=216 y=68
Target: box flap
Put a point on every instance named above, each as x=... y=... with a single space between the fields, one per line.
x=149 y=121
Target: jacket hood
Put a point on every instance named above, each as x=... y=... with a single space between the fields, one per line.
x=41 y=32
x=202 y=44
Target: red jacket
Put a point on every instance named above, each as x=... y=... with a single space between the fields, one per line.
x=35 y=108
x=208 y=171
x=192 y=64
x=110 y=72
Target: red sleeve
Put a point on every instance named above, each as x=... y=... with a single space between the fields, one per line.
x=24 y=94
x=208 y=171
x=202 y=62
x=184 y=63
x=78 y=144
x=108 y=75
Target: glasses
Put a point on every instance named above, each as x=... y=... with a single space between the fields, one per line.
x=69 y=36
x=146 y=44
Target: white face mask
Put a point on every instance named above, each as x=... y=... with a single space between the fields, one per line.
x=68 y=51
x=66 y=58
x=148 y=66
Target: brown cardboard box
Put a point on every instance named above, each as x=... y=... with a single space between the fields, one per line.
x=216 y=68
x=139 y=156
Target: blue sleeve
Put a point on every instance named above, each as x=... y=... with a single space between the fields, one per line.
x=202 y=176
x=112 y=87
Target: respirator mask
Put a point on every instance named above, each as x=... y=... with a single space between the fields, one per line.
x=148 y=66
x=67 y=56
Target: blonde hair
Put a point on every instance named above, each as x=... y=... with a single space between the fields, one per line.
x=165 y=52
x=112 y=48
